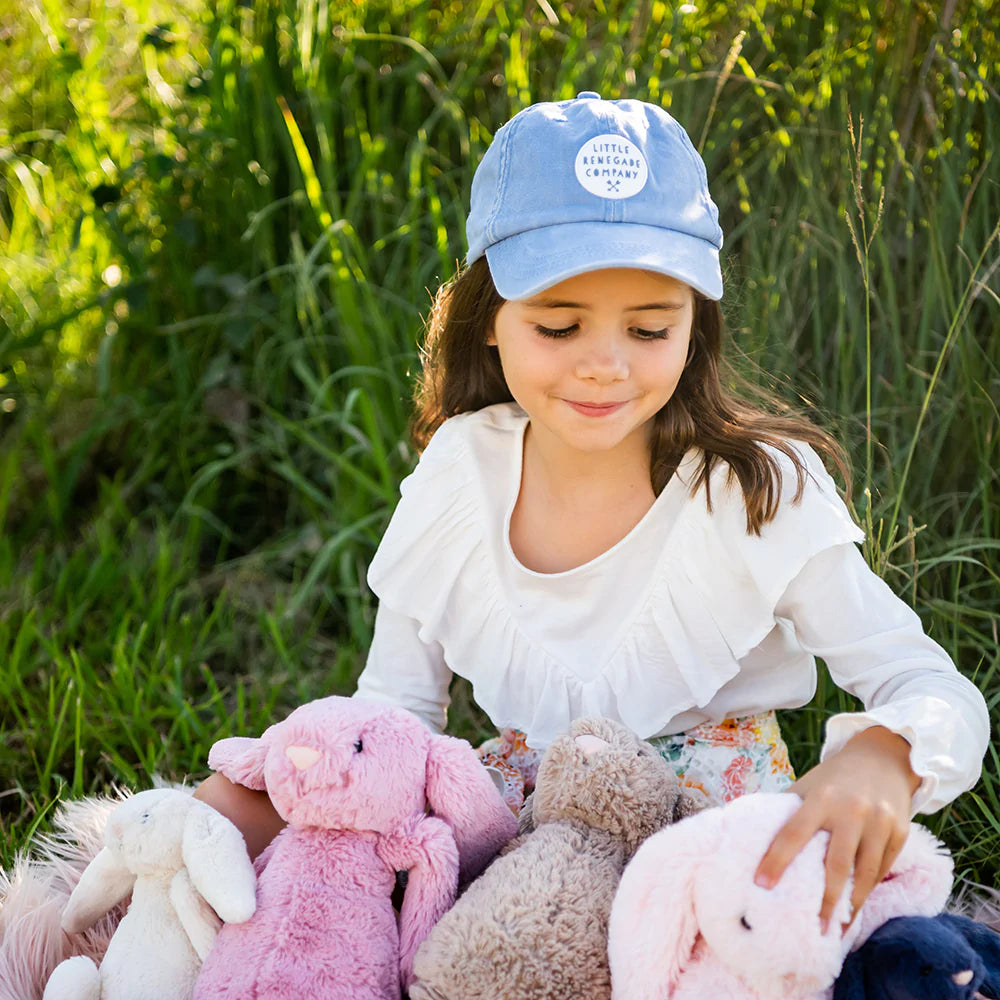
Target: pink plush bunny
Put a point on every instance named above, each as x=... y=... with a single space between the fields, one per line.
x=355 y=781
x=688 y=922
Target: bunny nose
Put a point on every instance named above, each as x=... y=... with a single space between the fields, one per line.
x=302 y=757
x=591 y=744
x=962 y=978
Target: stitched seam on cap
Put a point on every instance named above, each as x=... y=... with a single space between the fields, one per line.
x=699 y=165
x=502 y=169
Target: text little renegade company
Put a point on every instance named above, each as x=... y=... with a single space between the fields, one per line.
x=610 y=159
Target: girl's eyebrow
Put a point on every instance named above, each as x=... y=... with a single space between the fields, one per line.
x=541 y=302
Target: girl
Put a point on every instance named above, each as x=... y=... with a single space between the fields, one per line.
x=598 y=526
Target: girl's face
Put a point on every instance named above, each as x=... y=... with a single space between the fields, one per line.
x=592 y=359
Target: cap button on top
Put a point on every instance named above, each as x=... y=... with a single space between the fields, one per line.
x=588 y=94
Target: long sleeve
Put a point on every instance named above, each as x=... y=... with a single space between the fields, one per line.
x=403 y=670
x=875 y=648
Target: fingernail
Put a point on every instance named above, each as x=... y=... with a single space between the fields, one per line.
x=824 y=925
x=764 y=881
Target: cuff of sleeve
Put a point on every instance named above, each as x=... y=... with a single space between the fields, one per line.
x=931 y=756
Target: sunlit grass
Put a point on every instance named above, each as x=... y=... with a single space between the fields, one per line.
x=219 y=229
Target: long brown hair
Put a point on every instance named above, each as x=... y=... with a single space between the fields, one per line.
x=713 y=407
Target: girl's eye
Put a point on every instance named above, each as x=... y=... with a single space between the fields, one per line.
x=546 y=331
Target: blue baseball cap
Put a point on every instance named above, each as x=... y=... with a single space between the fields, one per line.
x=573 y=186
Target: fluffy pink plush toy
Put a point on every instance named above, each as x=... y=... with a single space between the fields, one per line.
x=688 y=922
x=367 y=791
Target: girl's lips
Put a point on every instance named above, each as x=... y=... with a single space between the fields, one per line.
x=595 y=409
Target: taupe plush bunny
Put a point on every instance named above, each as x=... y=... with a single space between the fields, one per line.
x=534 y=924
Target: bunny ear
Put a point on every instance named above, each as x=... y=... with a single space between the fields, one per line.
x=215 y=855
x=689 y=802
x=105 y=883
x=460 y=791
x=526 y=817
x=653 y=928
x=985 y=942
x=850 y=984
x=240 y=759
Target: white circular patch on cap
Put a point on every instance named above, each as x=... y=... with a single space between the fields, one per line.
x=611 y=166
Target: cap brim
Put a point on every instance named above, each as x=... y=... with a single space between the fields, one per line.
x=529 y=262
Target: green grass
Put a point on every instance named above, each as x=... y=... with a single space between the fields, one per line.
x=219 y=229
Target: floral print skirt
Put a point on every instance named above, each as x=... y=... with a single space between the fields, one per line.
x=723 y=761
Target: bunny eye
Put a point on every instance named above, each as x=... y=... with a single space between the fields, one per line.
x=745 y=924
x=144 y=817
x=926 y=970
x=358 y=746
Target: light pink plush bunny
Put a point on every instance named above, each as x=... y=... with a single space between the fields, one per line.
x=355 y=781
x=688 y=922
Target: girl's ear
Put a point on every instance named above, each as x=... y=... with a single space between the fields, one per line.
x=653 y=927
x=240 y=759
x=460 y=791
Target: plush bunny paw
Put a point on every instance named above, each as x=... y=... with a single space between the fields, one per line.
x=75 y=979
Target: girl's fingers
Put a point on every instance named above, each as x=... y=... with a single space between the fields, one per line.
x=861 y=795
x=867 y=872
x=841 y=858
x=789 y=840
x=864 y=849
x=875 y=857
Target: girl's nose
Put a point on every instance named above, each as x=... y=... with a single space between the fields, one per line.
x=603 y=360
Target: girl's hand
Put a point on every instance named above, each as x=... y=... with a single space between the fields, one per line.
x=861 y=795
x=251 y=812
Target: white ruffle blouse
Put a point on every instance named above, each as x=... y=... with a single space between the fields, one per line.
x=688 y=619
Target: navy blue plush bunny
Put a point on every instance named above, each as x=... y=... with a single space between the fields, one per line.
x=946 y=957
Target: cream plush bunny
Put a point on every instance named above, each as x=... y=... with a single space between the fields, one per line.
x=186 y=867
x=688 y=922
